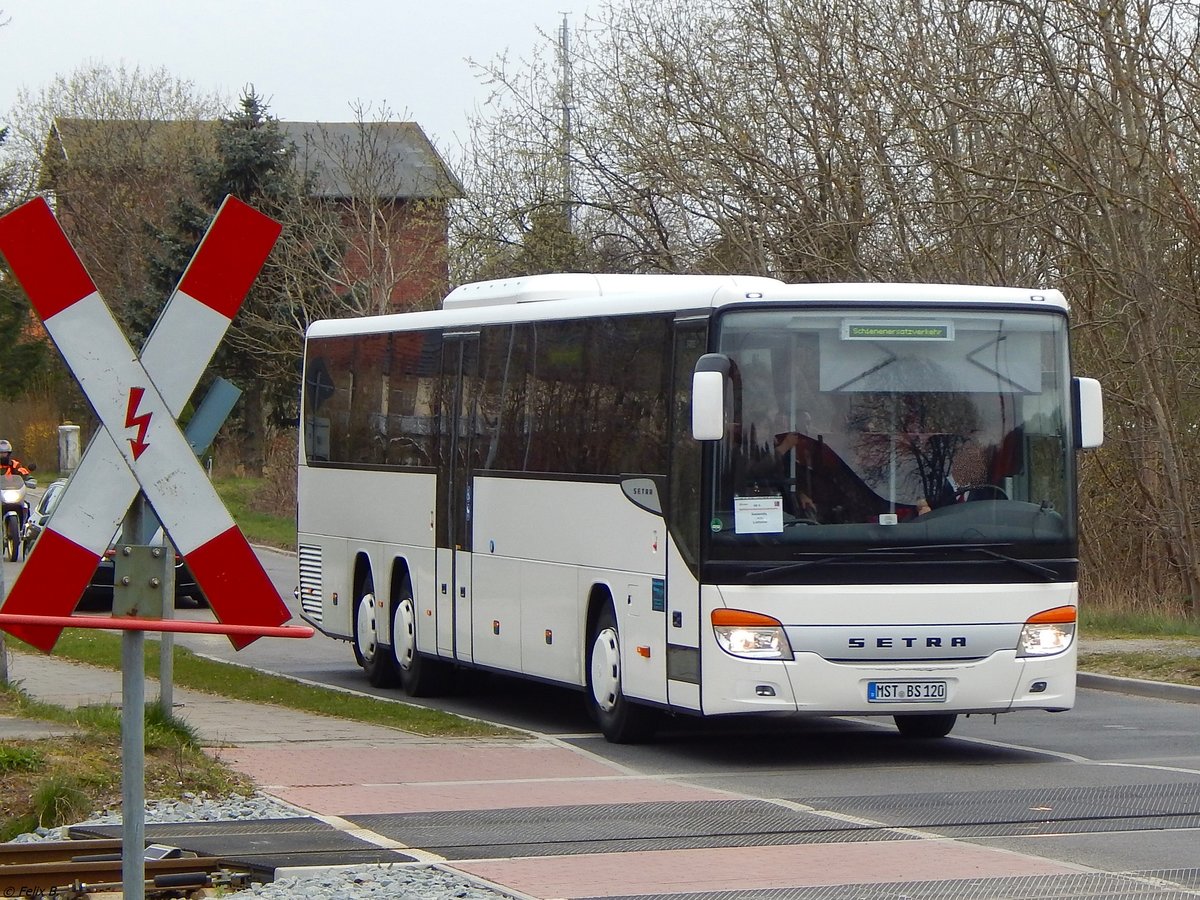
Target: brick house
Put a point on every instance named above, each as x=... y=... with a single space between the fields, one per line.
x=113 y=181
x=398 y=238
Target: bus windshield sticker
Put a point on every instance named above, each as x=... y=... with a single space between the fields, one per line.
x=758 y=515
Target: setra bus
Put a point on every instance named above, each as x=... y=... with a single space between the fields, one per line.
x=704 y=495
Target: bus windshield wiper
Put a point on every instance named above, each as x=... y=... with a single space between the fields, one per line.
x=1029 y=566
x=987 y=549
x=839 y=557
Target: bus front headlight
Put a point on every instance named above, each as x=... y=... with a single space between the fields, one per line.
x=750 y=635
x=1050 y=631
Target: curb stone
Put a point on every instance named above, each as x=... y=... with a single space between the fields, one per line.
x=1159 y=690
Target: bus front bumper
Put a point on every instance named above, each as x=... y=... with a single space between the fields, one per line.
x=812 y=685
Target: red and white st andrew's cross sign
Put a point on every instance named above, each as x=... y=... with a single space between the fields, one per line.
x=138 y=400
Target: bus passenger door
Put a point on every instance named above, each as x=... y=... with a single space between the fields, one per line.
x=459 y=431
x=683 y=550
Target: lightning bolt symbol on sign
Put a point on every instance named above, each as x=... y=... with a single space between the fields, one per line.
x=132 y=420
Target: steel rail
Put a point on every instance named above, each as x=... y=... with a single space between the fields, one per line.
x=49 y=879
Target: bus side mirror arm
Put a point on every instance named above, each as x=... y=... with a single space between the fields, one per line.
x=1089 y=412
x=708 y=396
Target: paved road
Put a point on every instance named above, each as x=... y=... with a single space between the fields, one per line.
x=1111 y=787
x=1114 y=784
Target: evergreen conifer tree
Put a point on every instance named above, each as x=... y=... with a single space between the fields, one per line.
x=261 y=354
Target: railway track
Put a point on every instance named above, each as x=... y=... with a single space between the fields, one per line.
x=65 y=869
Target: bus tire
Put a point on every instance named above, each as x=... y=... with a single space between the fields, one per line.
x=916 y=725
x=420 y=676
x=374 y=658
x=621 y=720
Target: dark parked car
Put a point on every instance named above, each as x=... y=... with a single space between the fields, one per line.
x=99 y=593
x=41 y=512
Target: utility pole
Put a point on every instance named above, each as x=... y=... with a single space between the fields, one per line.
x=3 y=649
x=566 y=91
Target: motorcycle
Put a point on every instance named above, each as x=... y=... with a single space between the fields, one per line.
x=16 y=512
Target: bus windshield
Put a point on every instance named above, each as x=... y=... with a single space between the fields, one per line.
x=851 y=429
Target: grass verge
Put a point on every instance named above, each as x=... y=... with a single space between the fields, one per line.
x=57 y=782
x=1156 y=665
x=239 y=683
x=1107 y=622
x=259 y=527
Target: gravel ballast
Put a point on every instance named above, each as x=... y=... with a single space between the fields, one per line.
x=401 y=881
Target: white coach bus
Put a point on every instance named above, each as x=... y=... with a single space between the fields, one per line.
x=704 y=495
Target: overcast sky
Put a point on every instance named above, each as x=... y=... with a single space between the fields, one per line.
x=311 y=59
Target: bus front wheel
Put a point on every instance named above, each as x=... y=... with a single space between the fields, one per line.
x=420 y=676
x=919 y=726
x=621 y=721
x=369 y=653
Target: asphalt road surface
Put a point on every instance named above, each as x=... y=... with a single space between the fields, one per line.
x=1113 y=784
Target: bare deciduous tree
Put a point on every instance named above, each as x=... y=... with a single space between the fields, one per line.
x=383 y=191
x=1004 y=141
x=112 y=147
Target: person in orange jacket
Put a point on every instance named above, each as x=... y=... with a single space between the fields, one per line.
x=9 y=464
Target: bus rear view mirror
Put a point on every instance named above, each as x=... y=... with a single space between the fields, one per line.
x=1089 y=413
x=708 y=397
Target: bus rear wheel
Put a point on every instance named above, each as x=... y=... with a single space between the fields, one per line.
x=370 y=654
x=925 y=726
x=621 y=720
x=420 y=676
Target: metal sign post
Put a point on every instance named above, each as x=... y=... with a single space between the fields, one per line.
x=3 y=649
x=201 y=431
